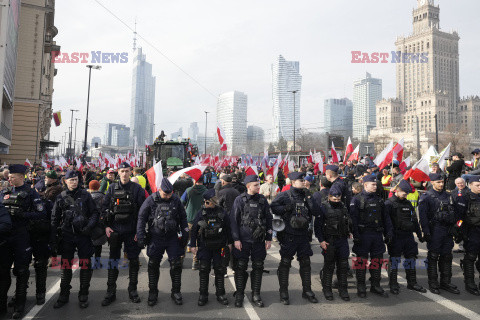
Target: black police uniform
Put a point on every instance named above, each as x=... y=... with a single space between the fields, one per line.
x=333 y=226
x=405 y=223
x=370 y=224
x=74 y=216
x=297 y=208
x=166 y=219
x=120 y=208
x=251 y=224
x=24 y=205
x=437 y=212
x=211 y=235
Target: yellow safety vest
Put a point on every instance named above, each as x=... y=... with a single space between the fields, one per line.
x=385 y=180
x=142 y=181
x=413 y=198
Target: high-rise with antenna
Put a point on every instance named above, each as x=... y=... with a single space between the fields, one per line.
x=135 y=36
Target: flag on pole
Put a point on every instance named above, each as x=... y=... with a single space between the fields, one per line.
x=155 y=176
x=251 y=170
x=27 y=163
x=334 y=154
x=195 y=172
x=442 y=162
x=381 y=157
x=221 y=138
x=355 y=154
x=419 y=171
x=349 y=148
x=57 y=118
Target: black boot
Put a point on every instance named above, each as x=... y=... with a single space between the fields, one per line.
x=393 y=275
x=306 y=275
x=21 y=292
x=445 y=264
x=204 y=268
x=85 y=277
x=432 y=272
x=326 y=278
x=41 y=267
x=111 y=295
x=411 y=274
x=65 y=287
x=220 y=271
x=5 y=282
x=176 y=276
x=256 y=282
x=376 y=276
x=153 y=276
x=240 y=277
x=469 y=273
x=133 y=268
x=342 y=276
x=283 y=273
x=361 y=275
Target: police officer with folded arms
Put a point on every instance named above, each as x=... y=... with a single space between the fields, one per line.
x=251 y=228
x=24 y=205
x=405 y=223
x=120 y=209
x=74 y=215
x=437 y=212
x=297 y=208
x=166 y=219
x=210 y=236
x=370 y=225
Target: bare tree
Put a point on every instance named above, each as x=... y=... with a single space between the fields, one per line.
x=381 y=142
x=458 y=136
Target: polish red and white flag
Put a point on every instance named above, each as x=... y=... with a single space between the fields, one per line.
x=194 y=172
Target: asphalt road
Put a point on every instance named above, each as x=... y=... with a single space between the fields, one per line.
x=406 y=305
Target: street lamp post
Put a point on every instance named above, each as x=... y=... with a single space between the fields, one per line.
x=294 y=122
x=70 y=133
x=206 y=116
x=75 y=139
x=90 y=67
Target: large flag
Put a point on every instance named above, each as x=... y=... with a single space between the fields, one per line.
x=221 y=138
x=381 y=157
x=419 y=171
x=349 y=148
x=251 y=171
x=355 y=154
x=57 y=118
x=404 y=165
x=195 y=172
x=334 y=154
x=155 y=176
x=395 y=154
x=442 y=162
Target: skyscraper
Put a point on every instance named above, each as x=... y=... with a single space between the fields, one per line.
x=232 y=117
x=366 y=93
x=120 y=135
x=193 y=132
x=285 y=79
x=109 y=133
x=338 y=116
x=143 y=101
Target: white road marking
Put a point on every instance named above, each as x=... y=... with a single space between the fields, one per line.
x=252 y=314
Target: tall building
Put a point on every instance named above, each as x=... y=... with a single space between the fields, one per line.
x=109 y=133
x=193 y=132
x=201 y=143
x=255 y=140
x=427 y=86
x=96 y=140
x=176 y=134
x=232 y=117
x=338 y=117
x=143 y=101
x=120 y=135
x=34 y=74
x=285 y=79
x=366 y=93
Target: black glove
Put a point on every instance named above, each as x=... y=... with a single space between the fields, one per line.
x=388 y=239
x=427 y=237
x=357 y=241
x=141 y=243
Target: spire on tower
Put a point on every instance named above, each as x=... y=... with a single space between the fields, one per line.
x=135 y=36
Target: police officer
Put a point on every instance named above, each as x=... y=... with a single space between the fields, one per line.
x=332 y=229
x=166 y=218
x=297 y=208
x=251 y=227
x=211 y=235
x=405 y=223
x=24 y=205
x=74 y=215
x=370 y=224
x=437 y=216
x=469 y=210
x=120 y=208
x=331 y=173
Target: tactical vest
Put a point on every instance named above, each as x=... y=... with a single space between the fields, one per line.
x=16 y=203
x=73 y=218
x=403 y=216
x=337 y=221
x=473 y=213
x=122 y=204
x=211 y=228
x=165 y=220
x=254 y=218
x=370 y=215
x=445 y=212
x=300 y=217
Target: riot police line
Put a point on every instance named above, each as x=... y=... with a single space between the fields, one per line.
x=67 y=220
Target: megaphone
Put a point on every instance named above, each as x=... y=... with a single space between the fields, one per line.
x=277 y=223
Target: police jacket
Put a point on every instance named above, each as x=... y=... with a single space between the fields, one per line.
x=332 y=222
x=120 y=206
x=295 y=206
x=5 y=222
x=163 y=217
x=367 y=211
x=250 y=219
x=403 y=215
x=24 y=204
x=436 y=208
x=468 y=209
x=211 y=228
x=74 y=212
x=226 y=196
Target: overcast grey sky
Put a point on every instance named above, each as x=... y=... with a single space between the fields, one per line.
x=230 y=45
